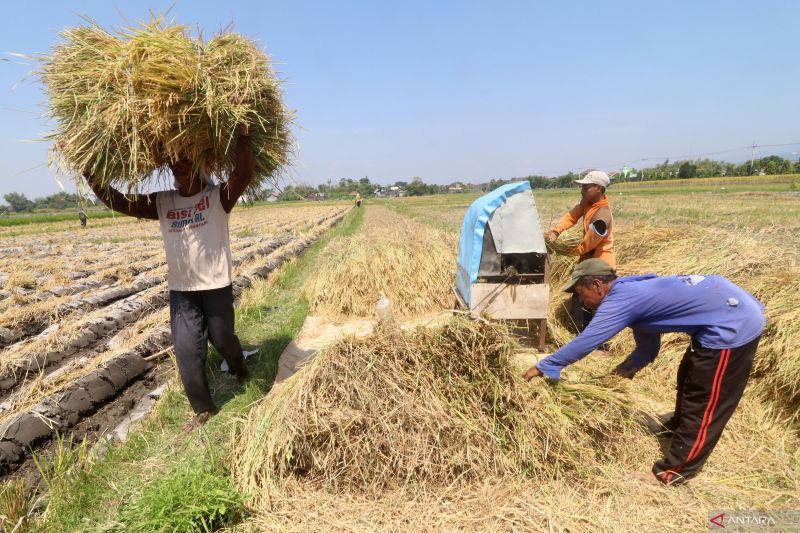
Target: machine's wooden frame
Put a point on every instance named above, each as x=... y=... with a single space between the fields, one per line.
x=514 y=301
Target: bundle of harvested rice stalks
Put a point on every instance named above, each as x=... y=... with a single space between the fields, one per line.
x=410 y=263
x=777 y=362
x=433 y=406
x=566 y=242
x=129 y=102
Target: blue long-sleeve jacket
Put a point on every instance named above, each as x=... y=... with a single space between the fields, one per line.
x=714 y=311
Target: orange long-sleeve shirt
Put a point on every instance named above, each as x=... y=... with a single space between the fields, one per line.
x=598 y=225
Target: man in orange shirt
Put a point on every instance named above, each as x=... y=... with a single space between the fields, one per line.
x=598 y=239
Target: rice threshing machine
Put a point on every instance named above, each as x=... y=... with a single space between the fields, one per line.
x=503 y=266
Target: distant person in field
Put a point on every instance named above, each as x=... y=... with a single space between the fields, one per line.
x=724 y=322
x=194 y=225
x=82 y=217
x=598 y=231
x=358 y=199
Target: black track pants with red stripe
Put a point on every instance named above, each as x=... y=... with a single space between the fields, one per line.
x=710 y=385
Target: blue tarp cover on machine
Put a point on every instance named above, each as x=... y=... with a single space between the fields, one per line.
x=519 y=232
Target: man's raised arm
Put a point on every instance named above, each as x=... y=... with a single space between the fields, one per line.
x=144 y=206
x=242 y=172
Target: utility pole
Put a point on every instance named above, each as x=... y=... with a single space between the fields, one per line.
x=753 y=157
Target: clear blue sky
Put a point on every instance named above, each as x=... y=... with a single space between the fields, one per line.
x=471 y=90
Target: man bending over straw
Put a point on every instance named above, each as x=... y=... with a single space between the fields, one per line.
x=194 y=225
x=725 y=323
x=598 y=239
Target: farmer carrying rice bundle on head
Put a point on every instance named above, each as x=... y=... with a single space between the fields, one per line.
x=194 y=226
x=150 y=102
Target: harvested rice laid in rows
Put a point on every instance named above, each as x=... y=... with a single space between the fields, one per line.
x=128 y=102
x=410 y=263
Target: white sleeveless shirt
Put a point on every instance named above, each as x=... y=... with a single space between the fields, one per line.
x=196 y=241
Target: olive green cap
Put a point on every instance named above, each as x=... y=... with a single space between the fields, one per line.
x=590 y=267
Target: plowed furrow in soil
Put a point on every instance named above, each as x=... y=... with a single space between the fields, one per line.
x=37 y=323
x=15 y=327
x=44 y=352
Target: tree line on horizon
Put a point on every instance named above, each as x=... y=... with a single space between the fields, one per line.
x=699 y=168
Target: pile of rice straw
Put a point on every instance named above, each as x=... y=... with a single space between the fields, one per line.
x=432 y=406
x=410 y=263
x=127 y=103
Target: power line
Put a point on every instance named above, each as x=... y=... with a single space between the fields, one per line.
x=695 y=155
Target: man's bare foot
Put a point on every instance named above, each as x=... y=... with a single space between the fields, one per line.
x=645 y=477
x=197 y=421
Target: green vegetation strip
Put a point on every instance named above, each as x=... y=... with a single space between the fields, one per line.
x=161 y=479
x=24 y=220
